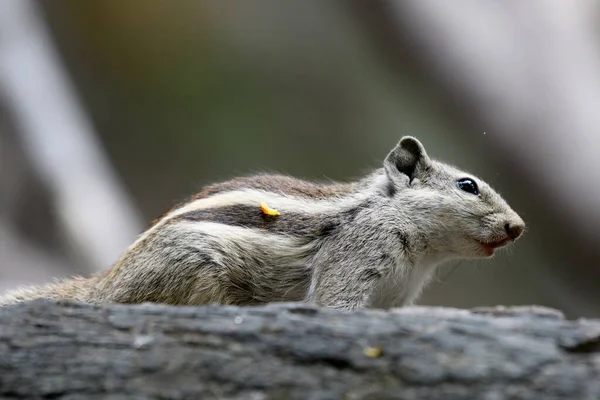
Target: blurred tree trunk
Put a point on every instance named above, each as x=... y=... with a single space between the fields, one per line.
x=61 y=169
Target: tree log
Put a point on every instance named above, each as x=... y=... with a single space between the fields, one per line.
x=294 y=351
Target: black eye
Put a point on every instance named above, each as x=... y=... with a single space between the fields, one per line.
x=468 y=185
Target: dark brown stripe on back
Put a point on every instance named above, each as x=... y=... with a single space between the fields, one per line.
x=279 y=184
x=316 y=225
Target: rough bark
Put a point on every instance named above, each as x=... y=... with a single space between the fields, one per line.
x=67 y=351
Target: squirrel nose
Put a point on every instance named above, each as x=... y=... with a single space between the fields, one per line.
x=513 y=230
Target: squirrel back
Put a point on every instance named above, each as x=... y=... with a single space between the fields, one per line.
x=252 y=240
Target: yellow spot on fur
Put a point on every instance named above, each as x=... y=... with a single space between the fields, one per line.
x=264 y=207
x=373 y=352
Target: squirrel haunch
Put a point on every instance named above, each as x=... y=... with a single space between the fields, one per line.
x=371 y=243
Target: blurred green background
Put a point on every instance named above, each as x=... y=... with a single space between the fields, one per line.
x=189 y=92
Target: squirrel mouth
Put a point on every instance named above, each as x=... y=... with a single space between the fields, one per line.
x=489 y=247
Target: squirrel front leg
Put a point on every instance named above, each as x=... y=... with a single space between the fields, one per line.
x=344 y=286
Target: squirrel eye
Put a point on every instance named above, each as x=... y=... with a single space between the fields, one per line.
x=468 y=185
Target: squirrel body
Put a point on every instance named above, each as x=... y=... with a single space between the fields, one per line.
x=371 y=243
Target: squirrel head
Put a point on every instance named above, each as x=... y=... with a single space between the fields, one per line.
x=460 y=215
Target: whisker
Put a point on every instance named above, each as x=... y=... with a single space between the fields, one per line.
x=454 y=268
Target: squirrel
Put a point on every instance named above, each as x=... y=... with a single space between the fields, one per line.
x=373 y=243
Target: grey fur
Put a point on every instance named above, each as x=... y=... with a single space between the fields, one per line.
x=373 y=243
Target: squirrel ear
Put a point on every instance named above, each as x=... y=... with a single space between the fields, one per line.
x=407 y=159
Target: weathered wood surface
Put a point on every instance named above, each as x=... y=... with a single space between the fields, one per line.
x=288 y=351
